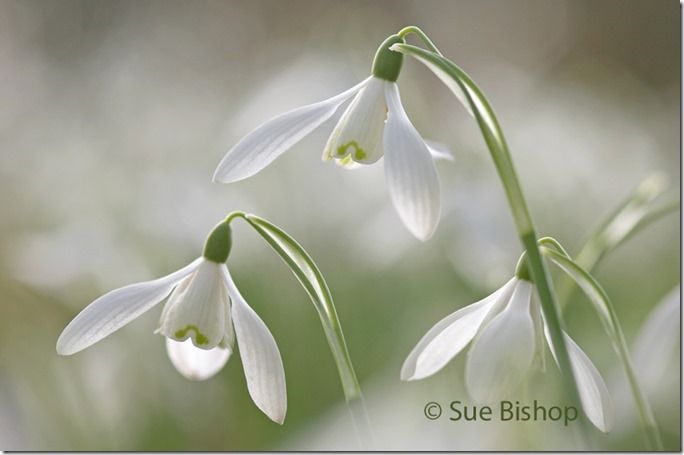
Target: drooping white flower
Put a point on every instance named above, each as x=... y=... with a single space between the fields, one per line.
x=203 y=316
x=506 y=330
x=373 y=125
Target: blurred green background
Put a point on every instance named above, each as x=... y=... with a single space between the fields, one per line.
x=115 y=114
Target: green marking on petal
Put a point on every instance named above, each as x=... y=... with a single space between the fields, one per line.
x=359 y=153
x=199 y=338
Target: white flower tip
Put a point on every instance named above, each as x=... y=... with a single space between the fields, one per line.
x=63 y=349
x=416 y=376
x=407 y=371
x=423 y=230
x=222 y=175
x=606 y=425
x=274 y=409
x=70 y=342
x=415 y=369
x=278 y=418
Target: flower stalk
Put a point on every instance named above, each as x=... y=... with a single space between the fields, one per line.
x=309 y=275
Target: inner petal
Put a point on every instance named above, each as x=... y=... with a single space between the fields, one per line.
x=502 y=354
x=196 y=364
x=197 y=308
x=358 y=134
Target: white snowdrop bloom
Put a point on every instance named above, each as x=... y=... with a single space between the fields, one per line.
x=373 y=125
x=506 y=330
x=203 y=316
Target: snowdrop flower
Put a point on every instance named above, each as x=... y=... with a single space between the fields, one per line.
x=202 y=317
x=507 y=330
x=373 y=125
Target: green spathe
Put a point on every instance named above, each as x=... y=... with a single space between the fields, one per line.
x=217 y=246
x=387 y=63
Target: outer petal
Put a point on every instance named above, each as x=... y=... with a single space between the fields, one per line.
x=194 y=363
x=197 y=308
x=450 y=335
x=260 y=358
x=593 y=392
x=502 y=354
x=410 y=170
x=268 y=141
x=656 y=345
x=359 y=132
x=116 y=309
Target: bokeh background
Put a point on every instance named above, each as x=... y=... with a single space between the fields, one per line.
x=113 y=116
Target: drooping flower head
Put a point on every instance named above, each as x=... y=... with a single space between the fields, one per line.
x=373 y=126
x=506 y=331
x=203 y=316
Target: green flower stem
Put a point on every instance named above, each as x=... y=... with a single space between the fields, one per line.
x=311 y=278
x=606 y=312
x=462 y=85
x=413 y=30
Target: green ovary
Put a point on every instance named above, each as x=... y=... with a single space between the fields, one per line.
x=199 y=338
x=359 y=153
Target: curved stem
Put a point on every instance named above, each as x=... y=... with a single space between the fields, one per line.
x=311 y=278
x=235 y=214
x=413 y=30
x=461 y=84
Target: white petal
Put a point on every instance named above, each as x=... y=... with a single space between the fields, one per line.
x=260 y=358
x=502 y=353
x=409 y=170
x=359 y=132
x=197 y=308
x=450 y=335
x=539 y=351
x=229 y=334
x=439 y=151
x=593 y=392
x=263 y=145
x=194 y=363
x=655 y=351
x=116 y=309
